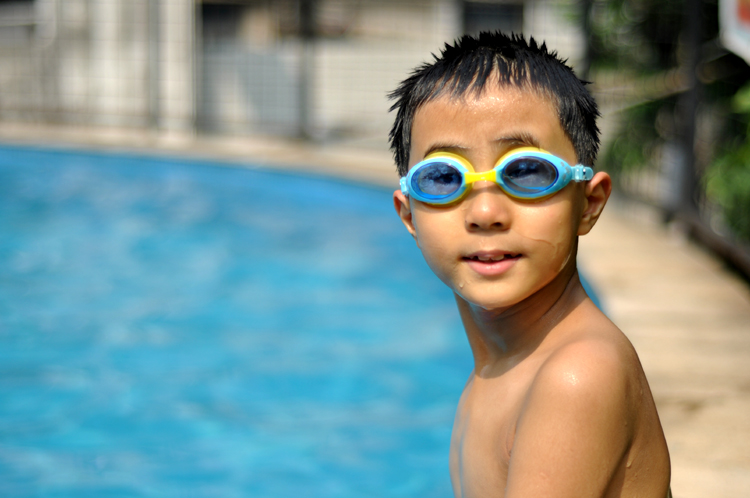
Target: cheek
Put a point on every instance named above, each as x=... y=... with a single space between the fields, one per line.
x=432 y=238
x=550 y=229
x=431 y=242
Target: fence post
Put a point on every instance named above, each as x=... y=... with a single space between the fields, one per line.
x=154 y=77
x=584 y=67
x=687 y=108
x=307 y=66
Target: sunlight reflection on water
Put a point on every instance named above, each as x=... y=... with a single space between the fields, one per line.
x=175 y=328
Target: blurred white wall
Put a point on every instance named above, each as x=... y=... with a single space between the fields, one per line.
x=231 y=67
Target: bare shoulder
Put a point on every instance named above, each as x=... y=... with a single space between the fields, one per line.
x=587 y=412
x=592 y=356
x=594 y=370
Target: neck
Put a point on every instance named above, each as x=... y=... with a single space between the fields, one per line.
x=500 y=339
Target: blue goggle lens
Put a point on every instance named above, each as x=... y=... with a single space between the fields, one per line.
x=437 y=180
x=529 y=175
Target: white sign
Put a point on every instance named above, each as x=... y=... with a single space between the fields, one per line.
x=734 y=19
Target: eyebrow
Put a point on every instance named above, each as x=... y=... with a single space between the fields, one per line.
x=523 y=138
x=444 y=147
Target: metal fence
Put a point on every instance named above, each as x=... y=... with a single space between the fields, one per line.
x=675 y=137
x=314 y=68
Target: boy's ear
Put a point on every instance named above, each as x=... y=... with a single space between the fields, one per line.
x=403 y=208
x=596 y=193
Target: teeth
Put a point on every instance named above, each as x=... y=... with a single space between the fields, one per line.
x=490 y=258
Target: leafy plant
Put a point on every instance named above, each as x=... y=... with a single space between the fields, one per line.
x=641 y=39
x=632 y=148
x=728 y=177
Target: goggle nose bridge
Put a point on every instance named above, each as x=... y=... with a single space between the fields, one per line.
x=485 y=176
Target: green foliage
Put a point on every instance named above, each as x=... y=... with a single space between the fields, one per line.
x=741 y=101
x=729 y=185
x=642 y=35
x=628 y=33
x=631 y=150
x=642 y=38
x=728 y=177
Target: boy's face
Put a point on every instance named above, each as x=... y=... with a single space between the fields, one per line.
x=491 y=249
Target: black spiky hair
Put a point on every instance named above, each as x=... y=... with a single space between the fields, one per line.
x=467 y=66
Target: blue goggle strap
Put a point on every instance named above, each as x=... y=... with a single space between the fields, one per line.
x=582 y=173
x=404 y=186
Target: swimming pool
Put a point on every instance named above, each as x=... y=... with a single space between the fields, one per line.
x=173 y=328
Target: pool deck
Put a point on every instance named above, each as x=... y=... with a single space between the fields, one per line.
x=688 y=317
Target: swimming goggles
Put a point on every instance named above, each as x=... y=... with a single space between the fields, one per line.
x=525 y=173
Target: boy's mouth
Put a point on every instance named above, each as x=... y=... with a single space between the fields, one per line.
x=491 y=263
x=491 y=257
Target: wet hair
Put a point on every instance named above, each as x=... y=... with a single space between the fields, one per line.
x=472 y=62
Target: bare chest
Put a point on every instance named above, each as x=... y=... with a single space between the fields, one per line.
x=482 y=438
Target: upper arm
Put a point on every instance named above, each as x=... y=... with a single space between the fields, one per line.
x=575 y=426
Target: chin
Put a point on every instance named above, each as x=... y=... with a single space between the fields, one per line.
x=489 y=302
x=498 y=296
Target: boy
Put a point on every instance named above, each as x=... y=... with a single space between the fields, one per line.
x=558 y=404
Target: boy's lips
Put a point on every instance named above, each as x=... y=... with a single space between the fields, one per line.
x=490 y=263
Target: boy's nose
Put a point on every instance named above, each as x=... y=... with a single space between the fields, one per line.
x=487 y=208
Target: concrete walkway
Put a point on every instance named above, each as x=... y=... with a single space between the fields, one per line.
x=687 y=316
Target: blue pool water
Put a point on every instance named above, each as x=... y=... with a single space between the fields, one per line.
x=172 y=328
